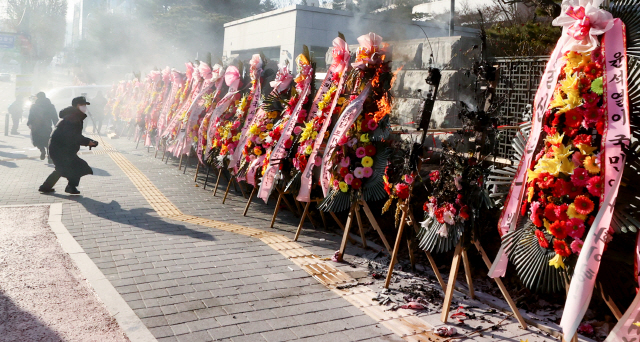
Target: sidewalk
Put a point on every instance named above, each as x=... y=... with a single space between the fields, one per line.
x=188 y=282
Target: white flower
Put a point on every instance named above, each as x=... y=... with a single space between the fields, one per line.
x=268 y=139
x=431 y=208
x=448 y=217
x=443 y=231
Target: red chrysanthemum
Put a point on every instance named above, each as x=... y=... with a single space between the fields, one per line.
x=575 y=228
x=402 y=190
x=541 y=239
x=558 y=230
x=573 y=117
x=545 y=180
x=583 y=205
x=582 y=139
x=561 y=212
x=561 y=248
x=370 y=150
x=356 y=183
x=594 y=185
x=571 y=189
x=558 y=188
x=550 y=213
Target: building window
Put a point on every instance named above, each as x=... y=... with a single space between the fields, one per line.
x=271 y=52
x=318 y=54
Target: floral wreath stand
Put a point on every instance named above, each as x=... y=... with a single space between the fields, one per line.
x=282 y=197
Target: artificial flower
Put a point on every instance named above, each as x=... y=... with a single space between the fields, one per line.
x=464 y=212
x=343 y=171
x=434 y=176
x=583 y=205
x=557 y=229
x=448 y=217
x=550 y=212
x=257 y=151
x=535 y=215
x=360 y=152
x=542 y=240
x=575 y=227
x=573 y=213
x=344 y=187
x=561 y=212
x=367 y=161
x=594 y=186
x=356 y=184
x=349 y=178
x=345 y=162
x=370 y=150
x=402 y=190
x=570 y=189
x=409 y=179
x=561 y=248
x=364 y=138
x=580 y=177
x=573 y=117
x=545 y=180
x=358 y=172
x=586 y=150
x=367 y=172
x=556 y=261
x=576 y=246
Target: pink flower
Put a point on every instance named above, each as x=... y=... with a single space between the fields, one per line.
x=348 y=178
x=343 y=140
x=358 y=172
x=402 y=191
x=580 y=177
x=345 y=162
x=372 y=125
x=360 y=152
x=575 y=228
x=352 y=142
x=594 y=185
x=336 y=184
x=297 y=130
x=576 y=246
x=288 y=143
x=448 y=217
x=409 y=179
x=535 y=217
x=367 y=172
x=577 y=159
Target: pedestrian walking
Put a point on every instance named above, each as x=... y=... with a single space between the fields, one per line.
x=64 y=145
x=15 y=110
x=97 y=111
x=42 y=119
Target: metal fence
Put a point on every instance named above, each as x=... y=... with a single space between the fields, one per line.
x=519 y=79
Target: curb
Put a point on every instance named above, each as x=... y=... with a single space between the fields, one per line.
x=129 y=322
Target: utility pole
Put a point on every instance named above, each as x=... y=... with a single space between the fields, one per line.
x=451 y=14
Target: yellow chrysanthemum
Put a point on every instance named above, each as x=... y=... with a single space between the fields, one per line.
x=269 y=126
x=566 y=166
x=254 y=130
x=532 y=174
x=364 y=138
x=574 y=99
x=573 y=213
x=573 y=59
x=555 y=139
x=272 y=114
x=341 y=101
x=557 y=100
x=321 y=105
x=530 y=192
x=306 y=133
x=257 y=151
x=308 y=150
x=237 y=137
x=367 y=161
x=551 y=166
x=556 y=261
x=586 y=150
x=590 y=164
x=560 y=150
x=344 y=187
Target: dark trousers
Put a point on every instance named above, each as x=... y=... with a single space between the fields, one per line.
x=53 y=178
x=97 y=122
x=16 y=122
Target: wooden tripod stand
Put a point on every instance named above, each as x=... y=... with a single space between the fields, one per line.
x=355 y=211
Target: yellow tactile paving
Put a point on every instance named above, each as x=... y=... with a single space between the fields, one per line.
x=401 y=322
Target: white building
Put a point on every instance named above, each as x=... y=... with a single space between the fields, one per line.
x=280 y=34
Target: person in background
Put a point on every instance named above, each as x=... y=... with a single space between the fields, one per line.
x=64 y=145
x=42 y=117
x=15 y=110
x=99 y=102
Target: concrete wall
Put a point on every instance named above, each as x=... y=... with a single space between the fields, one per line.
x=295 y=26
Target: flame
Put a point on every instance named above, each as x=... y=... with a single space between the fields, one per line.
x=384 y=108
x=395 y=74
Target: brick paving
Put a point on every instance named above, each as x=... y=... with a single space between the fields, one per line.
x=187 y=282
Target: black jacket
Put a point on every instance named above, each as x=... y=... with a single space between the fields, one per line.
x=65 y=143
x=42 y=117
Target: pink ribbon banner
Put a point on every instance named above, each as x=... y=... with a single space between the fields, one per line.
x=203 y=129
x=253 y=168
x=509 y=216
x=340 y=65
x=279 y=151
x=232 y=79
x=248 y=121
x=348 y=117
x=616 y=137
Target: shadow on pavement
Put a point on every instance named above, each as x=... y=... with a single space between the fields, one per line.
x=8 y=164
x=19 y=325
x=137 y=217
x=100 y=172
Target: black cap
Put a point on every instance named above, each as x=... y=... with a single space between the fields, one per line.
x=80 y=100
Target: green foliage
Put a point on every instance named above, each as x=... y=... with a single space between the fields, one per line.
x=526 y=39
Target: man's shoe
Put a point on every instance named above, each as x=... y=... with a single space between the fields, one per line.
x=45 y=190
x=42 y=155
x=71 y=190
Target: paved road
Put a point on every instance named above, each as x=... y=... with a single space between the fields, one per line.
x=188 y=282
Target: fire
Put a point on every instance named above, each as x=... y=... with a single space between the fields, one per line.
x=395 y=74
x=384 y=107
